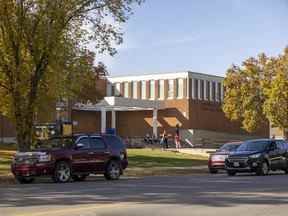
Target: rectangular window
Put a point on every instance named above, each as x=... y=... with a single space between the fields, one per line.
x=202 y=89
x=134 y=90
x=152 y=89
x=161 y=89
x=208 y=90
x=126 y=89
x=219 y=92
x=143 y=89
x=109 y=89
x=179 y=88
x=195 y=88
x=170 y=88
x=213 y=91
x=117 y=89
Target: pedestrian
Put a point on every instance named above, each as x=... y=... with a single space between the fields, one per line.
x=177 y=137
x=164 y=141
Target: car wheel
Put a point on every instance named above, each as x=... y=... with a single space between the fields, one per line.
x=263 y=169
x=80 y=177
x=62 y=172
x=24 y=180
x=213 y=171
x=231 y=173
x=113 y=170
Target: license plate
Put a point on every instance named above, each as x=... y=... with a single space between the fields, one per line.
x=236 y=164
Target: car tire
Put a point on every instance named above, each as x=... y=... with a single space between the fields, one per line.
x=231 y=173
x=24 y=180
x=263 y=169
x=62 y=173
x=80 y=178
x=113 y=170
x=213 y=171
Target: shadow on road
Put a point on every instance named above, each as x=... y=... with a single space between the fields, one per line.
x=203 y=190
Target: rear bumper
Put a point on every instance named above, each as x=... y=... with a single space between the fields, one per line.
x=32 y=170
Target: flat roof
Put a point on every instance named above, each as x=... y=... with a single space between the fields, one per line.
x=169 y=75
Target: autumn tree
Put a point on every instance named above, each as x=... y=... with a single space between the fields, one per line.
x=257 y=92
x=276 y=104
x=40 y=37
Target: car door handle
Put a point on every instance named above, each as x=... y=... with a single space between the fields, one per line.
x=91 y=153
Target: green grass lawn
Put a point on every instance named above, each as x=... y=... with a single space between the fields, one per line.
x=146 y=158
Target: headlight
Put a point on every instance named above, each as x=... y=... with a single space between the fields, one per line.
x=218 y=157
x=44 y=158
x=255 y=155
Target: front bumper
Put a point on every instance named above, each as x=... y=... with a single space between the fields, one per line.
x=247 y=165
x=28 y=170
x=216 y=165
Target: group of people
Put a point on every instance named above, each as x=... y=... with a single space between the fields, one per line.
x=164 y=139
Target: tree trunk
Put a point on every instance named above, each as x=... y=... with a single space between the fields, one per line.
x=24 y=125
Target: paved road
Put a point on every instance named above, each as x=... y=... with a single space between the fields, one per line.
x=181 y=195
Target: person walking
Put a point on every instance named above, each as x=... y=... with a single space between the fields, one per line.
x=177 y=137
x=164 y=141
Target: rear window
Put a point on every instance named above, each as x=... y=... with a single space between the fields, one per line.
x=115 y=142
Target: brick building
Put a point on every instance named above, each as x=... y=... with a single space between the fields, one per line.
x=192 y=100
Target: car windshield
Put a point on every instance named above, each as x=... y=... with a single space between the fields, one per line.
x=253 y=146
x=57 y=142
x=229 y=147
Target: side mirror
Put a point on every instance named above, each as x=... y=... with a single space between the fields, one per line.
x=79 y=145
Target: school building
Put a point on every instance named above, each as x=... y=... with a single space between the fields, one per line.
x=149 y=104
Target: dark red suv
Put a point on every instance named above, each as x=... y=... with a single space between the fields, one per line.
x=72 y=158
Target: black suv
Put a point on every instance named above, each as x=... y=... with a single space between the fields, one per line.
x=258 y=156
x=72 y=158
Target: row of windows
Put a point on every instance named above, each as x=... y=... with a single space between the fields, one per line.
x=201 y=89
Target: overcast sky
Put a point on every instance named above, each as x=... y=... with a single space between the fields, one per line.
x=199 y=35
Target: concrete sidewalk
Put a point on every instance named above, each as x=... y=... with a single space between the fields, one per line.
x=194 y=151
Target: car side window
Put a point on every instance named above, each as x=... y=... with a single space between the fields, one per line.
x=273 y=145
x=115 y=142
x=85 y=142
x=281 y=144
x=97 y=143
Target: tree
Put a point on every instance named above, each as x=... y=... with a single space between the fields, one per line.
x=257 y=92
x=39 y=39
x=276 y=104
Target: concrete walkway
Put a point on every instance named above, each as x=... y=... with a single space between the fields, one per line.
x=194 y=151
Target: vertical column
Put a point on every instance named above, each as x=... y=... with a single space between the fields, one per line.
x=188 y=88
x=113 y=119
x=211 y=90
x=155 y=123
x=216 y=92
x=205 y=89
x=199 y=89
x=193 y=88
x=103 y=120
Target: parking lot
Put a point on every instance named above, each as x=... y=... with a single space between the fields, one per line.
x=201 y=194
